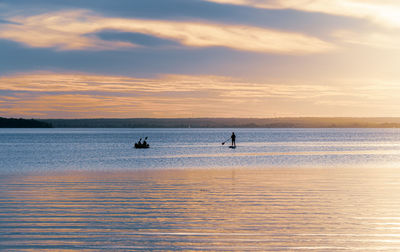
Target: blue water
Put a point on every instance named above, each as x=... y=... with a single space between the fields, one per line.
x=33 y=150
x=279 y=190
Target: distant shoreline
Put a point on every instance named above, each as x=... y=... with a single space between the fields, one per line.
x=288 y=122
x=23 y=123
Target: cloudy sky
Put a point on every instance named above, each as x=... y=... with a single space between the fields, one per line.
x=199 y=58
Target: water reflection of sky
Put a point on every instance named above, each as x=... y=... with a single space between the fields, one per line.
x=41 y=150
x=281 y=189
x=200 y=209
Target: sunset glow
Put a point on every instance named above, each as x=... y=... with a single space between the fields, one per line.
x=80 y=95
x=383 y=12
x=211 y=58
x=69 y=31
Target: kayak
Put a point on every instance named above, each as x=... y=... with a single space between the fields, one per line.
x=141 y=146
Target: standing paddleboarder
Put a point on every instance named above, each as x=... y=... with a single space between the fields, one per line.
x=233 y=137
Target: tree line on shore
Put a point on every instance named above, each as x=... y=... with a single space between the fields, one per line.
x=23 y=123
x=300 y=122
x=290 y=122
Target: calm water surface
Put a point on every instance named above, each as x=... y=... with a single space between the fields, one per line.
x=280 y=190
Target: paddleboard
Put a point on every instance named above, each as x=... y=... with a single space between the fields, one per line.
x=232 y=147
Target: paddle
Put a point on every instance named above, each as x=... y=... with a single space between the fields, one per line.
x=226 y=141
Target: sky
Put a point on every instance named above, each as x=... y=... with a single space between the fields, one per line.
x=199 y=58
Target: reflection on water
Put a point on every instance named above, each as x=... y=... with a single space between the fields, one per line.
x=300 y=209
x=43 y=150
x=293 y=189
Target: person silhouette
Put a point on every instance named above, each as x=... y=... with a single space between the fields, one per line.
x=144 y=142
x=233 y=137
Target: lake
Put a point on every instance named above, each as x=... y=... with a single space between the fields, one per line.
x=280 y=189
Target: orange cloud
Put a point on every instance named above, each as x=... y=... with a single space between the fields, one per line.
x=86 y=96
x=378 y=11
x=389 y=41
x=69 y=30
